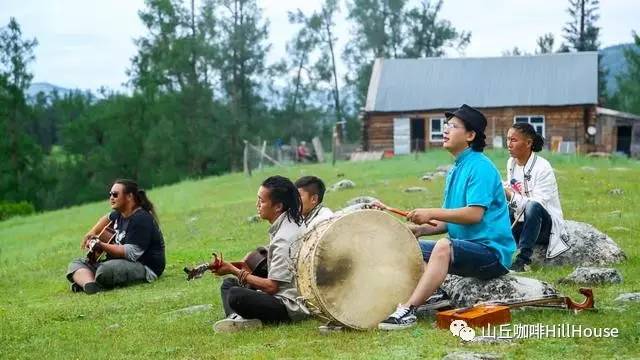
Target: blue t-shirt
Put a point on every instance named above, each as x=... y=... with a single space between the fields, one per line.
x=474 y=181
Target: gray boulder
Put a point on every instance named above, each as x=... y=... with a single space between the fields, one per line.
x=465 y=291
x=342 y=184
x=588 y=247
x=362 y=200
x=628 y=297
x=593 y=276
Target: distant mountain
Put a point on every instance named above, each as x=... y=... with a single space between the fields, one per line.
x=45 y=88
x=615 y=62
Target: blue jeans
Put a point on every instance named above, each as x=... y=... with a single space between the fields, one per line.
x=468 y=259
x=535 y=229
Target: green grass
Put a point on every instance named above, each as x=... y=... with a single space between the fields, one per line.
x=40 y=317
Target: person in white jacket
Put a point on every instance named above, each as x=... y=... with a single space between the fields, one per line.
x=532 y=193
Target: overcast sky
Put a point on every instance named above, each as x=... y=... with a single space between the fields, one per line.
x=88 y=43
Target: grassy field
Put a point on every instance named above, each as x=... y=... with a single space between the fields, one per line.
x=40 y=317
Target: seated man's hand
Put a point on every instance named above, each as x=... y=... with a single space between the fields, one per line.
x=422 y=216
x=84 y=245
x=224 y=268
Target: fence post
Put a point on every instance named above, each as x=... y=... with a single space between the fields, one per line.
x=262 y=153
x=247 y=169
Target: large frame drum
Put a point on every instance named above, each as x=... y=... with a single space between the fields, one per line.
x=355 y=269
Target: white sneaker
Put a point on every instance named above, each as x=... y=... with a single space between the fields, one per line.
x=235 y=322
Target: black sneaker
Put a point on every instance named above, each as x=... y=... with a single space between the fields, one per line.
x=402 y=318
x=91 y=288
x=520 y=265
x=76 y=288
x=438 y=300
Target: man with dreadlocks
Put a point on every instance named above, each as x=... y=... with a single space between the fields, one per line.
x=250 y=300
x=137 y=254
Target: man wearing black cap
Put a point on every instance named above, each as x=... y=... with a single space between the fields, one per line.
x=474 y=214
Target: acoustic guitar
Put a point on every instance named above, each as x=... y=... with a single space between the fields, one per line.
x=107 y=235
x=256 y=262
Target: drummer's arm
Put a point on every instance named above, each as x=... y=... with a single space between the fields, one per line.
x=465 y=215
x=426 y=229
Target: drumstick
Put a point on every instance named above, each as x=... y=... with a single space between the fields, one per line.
x=401 y=212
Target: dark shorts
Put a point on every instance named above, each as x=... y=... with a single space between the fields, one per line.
x=112 y=273
x=468 y=259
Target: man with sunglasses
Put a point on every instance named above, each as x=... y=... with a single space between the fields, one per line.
x=136 y=255
x=474 y=215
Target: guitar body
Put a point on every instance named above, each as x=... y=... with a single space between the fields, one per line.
x=107 y=235
x=479 y=316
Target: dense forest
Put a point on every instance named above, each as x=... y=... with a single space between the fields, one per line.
x=199 y=85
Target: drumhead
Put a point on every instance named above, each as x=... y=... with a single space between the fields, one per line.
x=366 y=263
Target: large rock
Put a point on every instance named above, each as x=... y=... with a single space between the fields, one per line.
x=593 y=276
x=465 y=291
x=589 y=247
x=342 y=184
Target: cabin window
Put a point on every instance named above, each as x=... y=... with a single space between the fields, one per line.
x=537 y=121
x=435 y=133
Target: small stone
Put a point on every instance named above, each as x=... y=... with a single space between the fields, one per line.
x=440 y=174
x=443 y=168
x=191 y=310
x=427 y=177
x=192 y=219
x=593 y=276
x=415 y=189
x=467 y=355
x=620 y=228
x=616 y=192
x=588 y=168
x=113 y=327
x=491 y=340
x=342 y=184
x=253 y=219
x=620 y=169
x=362 y=200
x=628 y=297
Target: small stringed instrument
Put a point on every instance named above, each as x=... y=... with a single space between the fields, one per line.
x=498 y=312
x=256 y=262
x=107 y=235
